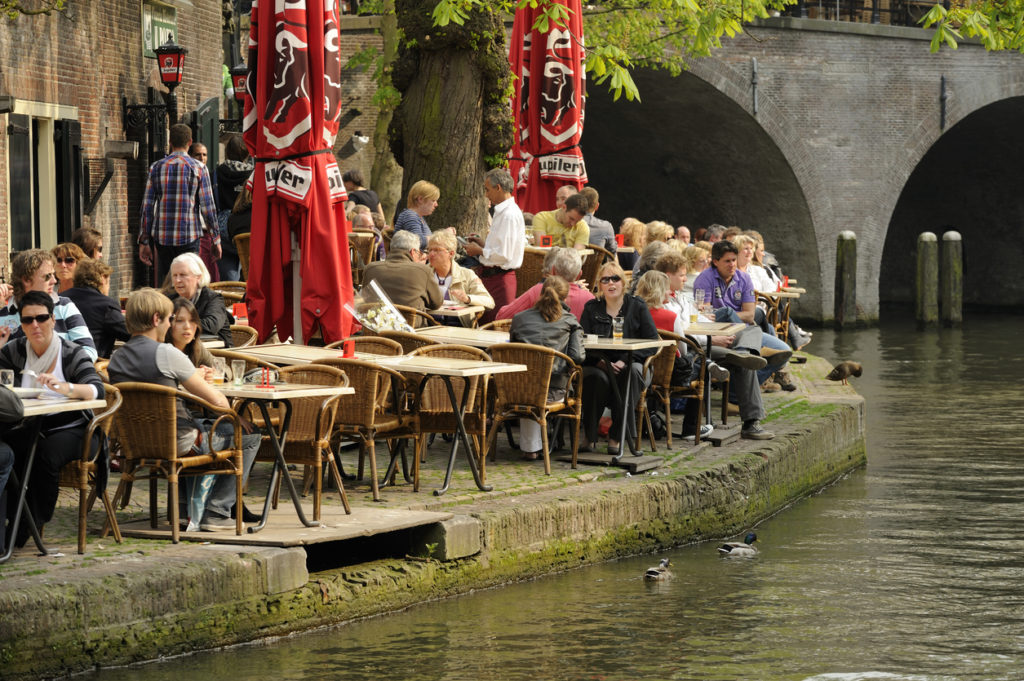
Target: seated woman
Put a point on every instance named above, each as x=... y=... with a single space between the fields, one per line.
x=102 y=313
x=42 y=359
x=90 y=241
x=420 y=203
x=183 y=334
x=456 y=283
x=549 y=323
x=145 y=358
x=66 y=257
x=190 y=279
x=602 y=367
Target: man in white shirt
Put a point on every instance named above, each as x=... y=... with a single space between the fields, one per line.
x=502 y=253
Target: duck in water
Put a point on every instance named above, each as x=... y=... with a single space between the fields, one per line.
x=659 y=573
x=744 y=548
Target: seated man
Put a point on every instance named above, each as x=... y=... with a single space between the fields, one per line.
x=565 y=226
x=602 y=233
x=738 y=354
x=731 y=295
x=564 y=262
x=145 y=358
x=403 y=277
x=33 y=270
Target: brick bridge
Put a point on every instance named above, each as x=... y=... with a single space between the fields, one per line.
x=849 y=127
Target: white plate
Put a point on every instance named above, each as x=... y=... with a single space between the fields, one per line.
x=27 y=393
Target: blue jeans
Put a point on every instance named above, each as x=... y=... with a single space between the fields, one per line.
x=727 y=314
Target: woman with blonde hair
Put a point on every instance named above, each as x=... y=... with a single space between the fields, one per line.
x=550 y=324
x=421 y=202
x=604 y=367
x=634 y=233
x=658 y=230
x=457 y=283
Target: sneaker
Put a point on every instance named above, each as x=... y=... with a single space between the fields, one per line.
x=752 y=430
x=705 y=430
x=744 y=360
x=214 y=523
x=718 y=374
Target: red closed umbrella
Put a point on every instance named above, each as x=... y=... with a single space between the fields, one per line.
x=547 y=106
x=292 y=108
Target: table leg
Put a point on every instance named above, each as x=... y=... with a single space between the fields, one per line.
x=707 y=385
x=626 y=406
x=280 y=467
x=22 y=507
x=459 y=409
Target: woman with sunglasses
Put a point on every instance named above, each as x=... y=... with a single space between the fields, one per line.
x=33 y=270
x=602 y=367
x=66 y=257
x=40 y=358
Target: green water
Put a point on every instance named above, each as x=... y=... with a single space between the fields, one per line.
x=909 y=569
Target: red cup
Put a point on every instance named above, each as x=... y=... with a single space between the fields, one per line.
x=239 y=311
x=620 y=239
x=349 y=349
x=785 y=281
x=545 y=240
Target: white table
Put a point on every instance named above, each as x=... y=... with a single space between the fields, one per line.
x=448 y=368
x=261 y=396
x=286 y=354
x=35 y=409
x=477 y=338
x=452 y=308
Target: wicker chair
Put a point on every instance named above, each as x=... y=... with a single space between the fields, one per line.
x=146 y=426
x=435 y=407
x=374 y=345
x=362 y=251
x=369 y=413
x=532 y=269
x=309 y=431
x=243 y=336
x=660 y=365
x=81 y=474
x=242 y=246
x=408 y=341
x=776 y=311
x=235 y=287
x=498 y=325
x=416 y=318
x=525 y=394
x=592 y=265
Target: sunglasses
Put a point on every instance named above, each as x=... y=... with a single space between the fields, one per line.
x=39 y=319
x=611 y=279
x=66 y=261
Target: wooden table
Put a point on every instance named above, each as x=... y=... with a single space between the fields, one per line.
x=447 y=369
x=629 y=346
x=283 y=393
x=35 y=409
x=287 y=354
x=786 y=293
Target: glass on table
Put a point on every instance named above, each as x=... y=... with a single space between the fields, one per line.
x=237 y=371
x=220 y=371
x=698 y=299
x=617 y=324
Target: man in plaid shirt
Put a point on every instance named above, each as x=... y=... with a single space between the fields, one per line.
x=179 y=199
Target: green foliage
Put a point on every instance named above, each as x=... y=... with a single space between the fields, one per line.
x=998 y=25
x=12 y=9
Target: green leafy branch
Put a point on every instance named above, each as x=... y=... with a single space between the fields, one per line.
x=12 y=9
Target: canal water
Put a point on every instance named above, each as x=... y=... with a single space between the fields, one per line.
x=909 y=569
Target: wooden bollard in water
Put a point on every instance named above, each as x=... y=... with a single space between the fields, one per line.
x=927 y=278
x=952 y=279
x=846 y=279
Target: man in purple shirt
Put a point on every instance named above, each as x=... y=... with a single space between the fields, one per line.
x=725 y=287
x=177 y=205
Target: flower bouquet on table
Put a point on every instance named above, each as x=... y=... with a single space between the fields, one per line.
x=375 y=311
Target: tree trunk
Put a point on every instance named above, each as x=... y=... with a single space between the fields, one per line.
x=454 y=121
x=386 y=176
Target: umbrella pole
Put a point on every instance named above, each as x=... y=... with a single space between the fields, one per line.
x=296 y=291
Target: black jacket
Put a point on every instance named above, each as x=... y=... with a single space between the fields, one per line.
x=637 y=323
x=103 y=317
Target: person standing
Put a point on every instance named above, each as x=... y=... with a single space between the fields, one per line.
x=502 y=253
x=231 y=177
x=178 y=206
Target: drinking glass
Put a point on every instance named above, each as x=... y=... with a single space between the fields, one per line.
x=237 y=371
x=698 y=298
x=617 y=329
x=220 y=370
x=7 y=378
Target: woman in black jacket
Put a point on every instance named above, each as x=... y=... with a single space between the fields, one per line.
x=190 y=279
x=603 y=366
x=102 y=314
